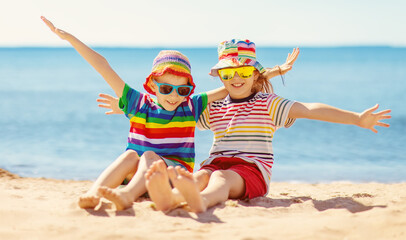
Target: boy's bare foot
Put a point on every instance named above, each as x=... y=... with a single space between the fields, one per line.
x=159 y=189
x=88 y=200
x=185 y=183
x=121 y=199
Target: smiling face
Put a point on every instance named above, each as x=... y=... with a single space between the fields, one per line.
x=238 y=87
x=170 y=101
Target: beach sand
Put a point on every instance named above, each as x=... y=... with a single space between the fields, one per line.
x=37 y=208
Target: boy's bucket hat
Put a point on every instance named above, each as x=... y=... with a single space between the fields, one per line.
x=169 y=61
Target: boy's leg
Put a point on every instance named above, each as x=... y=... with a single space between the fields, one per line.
x=223 y=184
x=159 y=189
x=111 y=177
x=124 y=197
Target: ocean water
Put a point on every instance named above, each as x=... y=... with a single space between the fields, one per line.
x=50 y=125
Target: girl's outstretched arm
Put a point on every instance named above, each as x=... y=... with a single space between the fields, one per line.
x=284 y=68
x=216 y=94
x=323 y=112
x=97 y=61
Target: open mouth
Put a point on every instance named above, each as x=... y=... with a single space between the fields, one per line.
x=171 y=103
x=237 y=85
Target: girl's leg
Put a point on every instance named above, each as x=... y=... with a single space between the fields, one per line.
x=201 y=178
x=223 y=184
x=124 y=197
x=112 y=177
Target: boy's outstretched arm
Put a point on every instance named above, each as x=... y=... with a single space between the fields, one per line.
x=97 y=61
x=323 y=112
x=284 y=68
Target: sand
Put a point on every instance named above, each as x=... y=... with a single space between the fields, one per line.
x=37 y=208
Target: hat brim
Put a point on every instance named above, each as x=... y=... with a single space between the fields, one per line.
x=234 y=62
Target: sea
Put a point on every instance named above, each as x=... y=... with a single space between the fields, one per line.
x=51 y=126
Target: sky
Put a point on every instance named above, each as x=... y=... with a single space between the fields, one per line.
x=189 y=23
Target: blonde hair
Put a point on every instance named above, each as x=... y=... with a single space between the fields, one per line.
x=261 y=84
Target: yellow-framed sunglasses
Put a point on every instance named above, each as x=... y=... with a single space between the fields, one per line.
x=228 y=73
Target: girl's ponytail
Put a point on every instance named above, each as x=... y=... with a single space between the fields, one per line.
x=262 y=85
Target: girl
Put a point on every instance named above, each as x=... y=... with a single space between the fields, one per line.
x=244 y=123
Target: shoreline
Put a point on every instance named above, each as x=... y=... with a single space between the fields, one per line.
x=40 y=208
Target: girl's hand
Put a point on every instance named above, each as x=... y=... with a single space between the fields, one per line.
x=369 y=119
x=62 y=34
x=284 y=68
x=110 y=102
x=290 y=60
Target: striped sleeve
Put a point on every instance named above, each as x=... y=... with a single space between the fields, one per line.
x=130 y=101
x=278 y=109
x=198 y=104
x=204 y=119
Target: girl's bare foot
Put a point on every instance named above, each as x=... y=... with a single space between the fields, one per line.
x=158 y=186
x=185 y=183
x=88 y=200
x=120 y=198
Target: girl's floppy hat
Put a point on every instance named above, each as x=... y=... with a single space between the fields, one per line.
x=236 y=53
x=173 y=62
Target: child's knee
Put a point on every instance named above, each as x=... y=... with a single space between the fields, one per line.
x=149 y=157
x=203 y=175
x=131 y=154
x=130 y=157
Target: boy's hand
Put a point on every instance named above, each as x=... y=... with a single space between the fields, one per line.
x=369 y=119
x=290 y=60
x=110 y=102
x=62 y=34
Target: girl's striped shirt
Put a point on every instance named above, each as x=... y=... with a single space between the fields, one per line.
x=169 y=134
x=244 y=128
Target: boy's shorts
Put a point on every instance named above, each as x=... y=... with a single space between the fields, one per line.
x=255 y=185
x=172 y=163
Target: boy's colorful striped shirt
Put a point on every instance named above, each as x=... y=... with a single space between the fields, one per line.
x=245 y=128
x=169 y=134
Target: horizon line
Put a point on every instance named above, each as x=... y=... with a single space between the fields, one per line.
x=206 y=46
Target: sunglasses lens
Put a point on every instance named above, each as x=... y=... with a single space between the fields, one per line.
x=183 y=91
x=226 y=74
x=245 y=72
x=165 y=89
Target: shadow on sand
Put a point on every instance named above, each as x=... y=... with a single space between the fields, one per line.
x=347 y=203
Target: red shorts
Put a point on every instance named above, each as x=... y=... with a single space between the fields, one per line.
x=255 y=185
